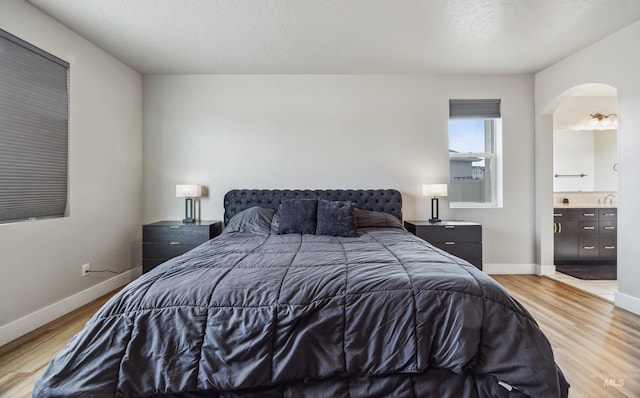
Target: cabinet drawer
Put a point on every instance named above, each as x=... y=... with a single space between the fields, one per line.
x=462 y=250
x=588 y=249
x=608 y=247
x=588 y=215
x=450 y=233
x=165 y=250
x=608 y=227
x=167 y=234
x=608 y=214
x=588 y=228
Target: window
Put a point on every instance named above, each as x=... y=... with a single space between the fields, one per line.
x=34 y=119
x=475 y=173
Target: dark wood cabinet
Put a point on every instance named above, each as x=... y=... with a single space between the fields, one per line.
x=585 y=235
x=460 y=238
x=566 y=238
x=164 y=240
x=608 y=234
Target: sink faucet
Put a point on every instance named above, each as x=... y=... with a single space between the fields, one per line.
x=610 y=197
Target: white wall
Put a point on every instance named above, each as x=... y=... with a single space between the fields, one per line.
x=333 y=131
x=610 y=61
x=40 y=261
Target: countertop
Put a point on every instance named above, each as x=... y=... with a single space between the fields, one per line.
x=586 y=205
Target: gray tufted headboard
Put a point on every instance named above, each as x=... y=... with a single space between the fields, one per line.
x=383 y=200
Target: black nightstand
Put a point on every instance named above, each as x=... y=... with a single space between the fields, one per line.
x=460 y=238
x=165 y=240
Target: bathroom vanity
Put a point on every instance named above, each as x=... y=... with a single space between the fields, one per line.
x=585 y=235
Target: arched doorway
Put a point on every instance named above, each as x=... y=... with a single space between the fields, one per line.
x=584 y=177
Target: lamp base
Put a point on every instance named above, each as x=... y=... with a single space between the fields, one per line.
x=188 y=211
x=434 y=211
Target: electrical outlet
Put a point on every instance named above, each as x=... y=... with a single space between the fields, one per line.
x=85 y=269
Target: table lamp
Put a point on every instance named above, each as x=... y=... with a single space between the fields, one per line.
x=435 y=191
x=189 y=192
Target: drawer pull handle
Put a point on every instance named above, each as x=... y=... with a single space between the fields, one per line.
x=175 y=243
x=557 y=214
x=588 y=227
x=449 y=243
x=588 y=247
x=449 y=226
x=609 y=247
x=588 y=214
x=609 y=214
x=609 y=227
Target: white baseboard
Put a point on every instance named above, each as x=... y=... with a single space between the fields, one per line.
x=509 y=268
x=28 y=323
x=626 y=302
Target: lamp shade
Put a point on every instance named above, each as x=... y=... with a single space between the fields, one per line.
x=188 y=191
x=434 y=190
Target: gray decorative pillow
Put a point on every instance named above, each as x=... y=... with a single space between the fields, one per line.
x=254 y=219
x=375 y=219
x=298 y=216
x=336 y=218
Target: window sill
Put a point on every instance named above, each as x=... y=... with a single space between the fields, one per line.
x=474 y=206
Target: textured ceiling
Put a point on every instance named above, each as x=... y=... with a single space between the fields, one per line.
x=342 y=36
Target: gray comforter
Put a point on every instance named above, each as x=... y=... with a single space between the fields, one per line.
x=256 y=314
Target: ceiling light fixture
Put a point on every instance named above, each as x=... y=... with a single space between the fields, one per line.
x=603 y=121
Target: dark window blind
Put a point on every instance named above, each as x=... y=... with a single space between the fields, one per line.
x=34 y=120
x=474 y=109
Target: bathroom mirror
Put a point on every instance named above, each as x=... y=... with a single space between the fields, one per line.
x=585 y=160
x=585 y=152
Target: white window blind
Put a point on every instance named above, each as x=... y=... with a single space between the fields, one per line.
x=34 y=119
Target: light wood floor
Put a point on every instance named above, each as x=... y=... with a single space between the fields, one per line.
x=23 y=360
x=596 y=345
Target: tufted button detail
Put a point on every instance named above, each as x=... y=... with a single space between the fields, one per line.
x=383 y=200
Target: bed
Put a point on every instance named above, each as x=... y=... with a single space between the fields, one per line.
x=309 y=293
